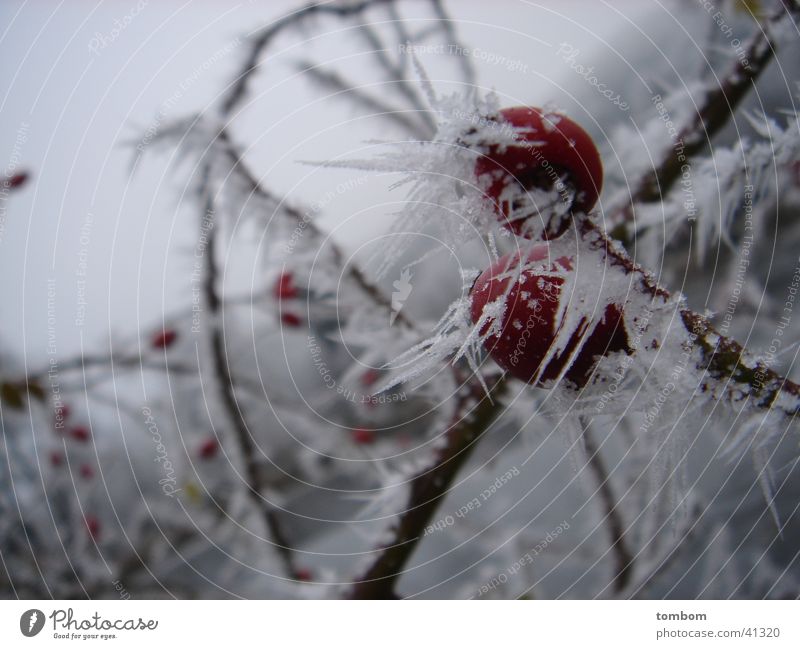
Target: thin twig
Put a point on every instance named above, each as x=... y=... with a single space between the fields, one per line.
x=428 y=489
x=717 y=108
x=619 y=545
x=467 y=68
x=251 y=455
x=335 y=82
x=354 y=272
x=395 y=73
x=262 y=40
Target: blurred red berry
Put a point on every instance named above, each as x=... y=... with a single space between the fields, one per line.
x=284 y=288
x=56 y=458
x=291 y=319
x=164 y=339
x=87 y=472
x=17 y=180
x=80 y=433
x=370 y=377
x=303 y=574
x=62 y=412
x=208 y=449
x=363 y=436
x=92 y=526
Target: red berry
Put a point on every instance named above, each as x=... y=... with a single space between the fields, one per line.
x=17 y=180
x=370 y=377
x=87 y=472
x=56 y=459
x=284 y=288
x=62 y=412
x=80 y=433
x=363 y=436
x=208 y=449
x=291 y=319
x=528 y=324
x=92 y=526
x=164 y=339
x=551 y=146
x=303 y=574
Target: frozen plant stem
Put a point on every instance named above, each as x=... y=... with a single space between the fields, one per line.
x=346 y=90
x=717 y=108
x=355 y=273
x=475 y=415
x=256 y=482
x=342 y=10
x=616 y=526
x=722 y=358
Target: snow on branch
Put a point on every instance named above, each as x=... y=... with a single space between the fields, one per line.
x=717 y=108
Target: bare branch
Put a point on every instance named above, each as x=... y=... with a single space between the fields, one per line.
x=251 y=454
x=263 y=39
x=396 y=73
x=447 y=24
x=334 y=81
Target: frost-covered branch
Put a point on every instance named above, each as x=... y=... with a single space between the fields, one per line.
x=239 y=167
x=250 y=453
x=429 y=487
x=127 y=361
x=723 y=358
x=262 y=40
x=717 y=108
x=474 y=416
x=616 y=526
x=348 y=91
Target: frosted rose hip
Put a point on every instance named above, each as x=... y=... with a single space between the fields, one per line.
x=551 y=146
x=531 y=321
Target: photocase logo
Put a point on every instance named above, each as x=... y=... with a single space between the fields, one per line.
x=31 y=622
x=402 y=290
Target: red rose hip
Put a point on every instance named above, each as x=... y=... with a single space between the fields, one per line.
x=17 y=180
x=532 y=320
x=92 y=526
x=290 y=319
x=551 y=147
x=208 y=449
x=363 y=436
x=80 y=433
x=164 y=339
x=284 y=287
